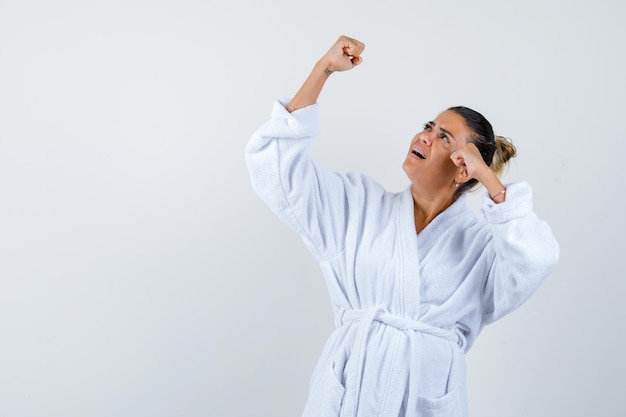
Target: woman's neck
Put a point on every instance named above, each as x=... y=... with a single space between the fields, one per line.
x=427 y=207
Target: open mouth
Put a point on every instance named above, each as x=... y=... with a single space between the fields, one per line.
x=418 y=154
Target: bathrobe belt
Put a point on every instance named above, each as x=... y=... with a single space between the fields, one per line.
x=367 y=317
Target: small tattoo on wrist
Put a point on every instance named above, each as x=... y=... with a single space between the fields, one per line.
x=327 y=71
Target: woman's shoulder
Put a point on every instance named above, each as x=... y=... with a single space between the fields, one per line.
x=467 y=221
x=366 y=193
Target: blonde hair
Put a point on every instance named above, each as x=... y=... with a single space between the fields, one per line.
x=495 y=150
x=505 y=150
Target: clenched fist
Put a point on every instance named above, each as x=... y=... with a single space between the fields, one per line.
x=344 y=55
x=470 y=157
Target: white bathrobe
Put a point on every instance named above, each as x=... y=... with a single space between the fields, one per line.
x=407 y=306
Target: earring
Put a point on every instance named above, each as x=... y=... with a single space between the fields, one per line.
x=456 y=184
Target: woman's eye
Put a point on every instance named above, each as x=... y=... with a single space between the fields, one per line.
x=444 y=138
x=427 y=127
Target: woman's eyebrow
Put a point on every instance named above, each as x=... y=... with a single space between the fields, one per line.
x=447 y=132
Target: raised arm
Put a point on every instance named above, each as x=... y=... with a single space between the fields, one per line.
x=344 y=55
x=312 y=200
x=475 y=167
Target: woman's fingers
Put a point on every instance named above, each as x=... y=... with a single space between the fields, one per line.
x=352 y=46
x=345 y=54
x=457 y=157
x=469 y=156
x=356 y=60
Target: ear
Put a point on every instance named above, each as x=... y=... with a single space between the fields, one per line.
x=462 y=175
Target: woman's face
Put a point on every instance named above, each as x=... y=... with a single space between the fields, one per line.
x=428 y=164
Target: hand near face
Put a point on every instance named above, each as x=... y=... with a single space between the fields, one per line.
x=344 y=55
x=469 y=156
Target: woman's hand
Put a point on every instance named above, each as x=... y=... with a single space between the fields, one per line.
x=470 y=158
x=344 y=55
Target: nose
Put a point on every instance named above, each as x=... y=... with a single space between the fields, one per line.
x=426 y=137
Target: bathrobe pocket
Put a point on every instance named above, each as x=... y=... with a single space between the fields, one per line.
x=450 y=405
x=453 y=402
x=327 y=397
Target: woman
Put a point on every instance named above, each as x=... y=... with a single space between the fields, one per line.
x=413 y=276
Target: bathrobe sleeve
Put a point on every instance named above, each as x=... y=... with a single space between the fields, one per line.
x=525 y=252
x=303 y=194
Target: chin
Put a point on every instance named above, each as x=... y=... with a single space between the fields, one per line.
x=406 y=169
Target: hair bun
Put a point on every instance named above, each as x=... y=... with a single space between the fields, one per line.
x=505 y=150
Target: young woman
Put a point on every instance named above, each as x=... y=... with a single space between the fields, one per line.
x=413 y=276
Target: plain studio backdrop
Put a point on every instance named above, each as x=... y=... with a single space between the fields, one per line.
x=141 y=276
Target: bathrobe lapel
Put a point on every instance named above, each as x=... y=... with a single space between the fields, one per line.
x=409 y=267
x=415 y=246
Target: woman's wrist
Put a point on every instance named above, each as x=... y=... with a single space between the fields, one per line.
x=312 y=87
x=498 y=197
x=323 y=67
x=493 y=185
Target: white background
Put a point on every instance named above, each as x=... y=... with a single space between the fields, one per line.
x=140 y=275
